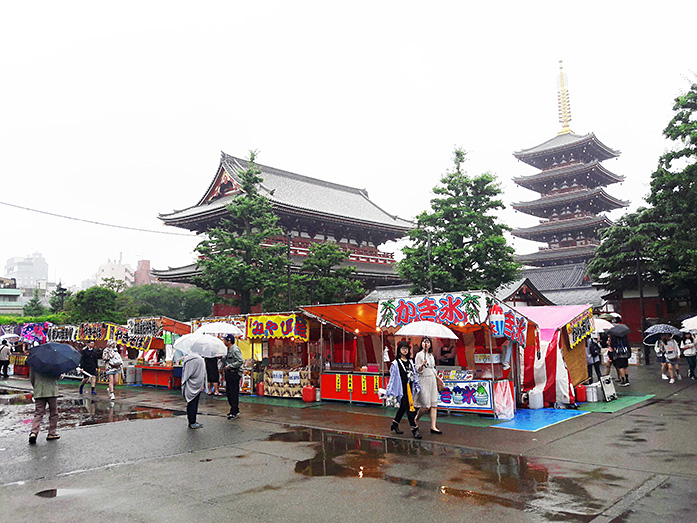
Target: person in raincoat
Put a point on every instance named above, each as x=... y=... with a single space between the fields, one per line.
x=193 y=382
x=402 y=387
x=45 y=394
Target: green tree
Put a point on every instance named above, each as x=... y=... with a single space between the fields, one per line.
x=58 y=298
x=114 y=284
x=34 y=306
x=173 y=302
x=95 y=304
x=459 y=243
x=234 y=256
x=326 y=280
x=663 y=234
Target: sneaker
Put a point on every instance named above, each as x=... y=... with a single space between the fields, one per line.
x=32 y=439
x=671 y=380
x=94 y=392
x=232 y=416
x=664 y=376
x=111 y=396
x=195 y=426
x=625 y=384
x=52 y=437
x=80 y=390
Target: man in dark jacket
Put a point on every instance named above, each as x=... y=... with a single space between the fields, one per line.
x=232 y=364
x=88 y=364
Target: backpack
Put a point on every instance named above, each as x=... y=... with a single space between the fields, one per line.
x=622 y=351
x=594 y=349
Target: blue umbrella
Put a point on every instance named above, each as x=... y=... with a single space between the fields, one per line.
x=654 y=332
x=53 y=358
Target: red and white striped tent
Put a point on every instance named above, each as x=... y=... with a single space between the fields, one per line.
x=561 y=362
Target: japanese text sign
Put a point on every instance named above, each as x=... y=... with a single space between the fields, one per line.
x=579 y=328
x=505 y=322
x=450 y=308
x=277 y=326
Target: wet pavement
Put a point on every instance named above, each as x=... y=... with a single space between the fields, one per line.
x=335 y=462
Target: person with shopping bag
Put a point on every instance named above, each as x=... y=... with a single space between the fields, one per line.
x=402 y=388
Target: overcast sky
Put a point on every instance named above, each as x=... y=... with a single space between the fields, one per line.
x=115 y=112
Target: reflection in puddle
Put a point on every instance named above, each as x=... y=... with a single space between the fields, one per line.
x=17 y=411
x=472 y=476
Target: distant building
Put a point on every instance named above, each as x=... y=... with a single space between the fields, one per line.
x=27 y=271
x=116 y=270
x=10 y=297
x=142 y=275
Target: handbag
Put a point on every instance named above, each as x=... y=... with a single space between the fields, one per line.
x=439 y=383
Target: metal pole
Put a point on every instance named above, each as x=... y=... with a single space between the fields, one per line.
x=290 y=306
x=430 y=272
x=640 y=282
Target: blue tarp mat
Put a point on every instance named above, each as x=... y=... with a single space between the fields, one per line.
x=533 y=420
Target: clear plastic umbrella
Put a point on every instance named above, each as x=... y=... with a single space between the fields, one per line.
x=690 y=324
x=426 y=328
x=204 y=344
x=219 y=327
x=602 y=325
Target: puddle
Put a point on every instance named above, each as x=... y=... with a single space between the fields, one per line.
x=471 y=476
x=54 y=493
x=17 y=412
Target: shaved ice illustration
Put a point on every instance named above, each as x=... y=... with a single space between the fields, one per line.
x=481 y=396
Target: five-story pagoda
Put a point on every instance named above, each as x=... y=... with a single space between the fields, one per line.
x=571 y=184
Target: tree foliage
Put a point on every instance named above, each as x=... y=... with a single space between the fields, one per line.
x=173 y=302
x=34 y=306
x=467 y=246
x=326 y=280
x=114 y=284
x=96 y=304
x=234 y=255
x=663 y=233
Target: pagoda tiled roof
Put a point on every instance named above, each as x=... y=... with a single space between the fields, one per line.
x=295 y=194
x=602 y=176
x=540 y=155
x=572 y=224
x=557 y=276
x=563 y=254
x=584 y=194
x=508 y=290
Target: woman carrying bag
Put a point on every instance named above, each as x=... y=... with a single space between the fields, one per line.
x=403 y=385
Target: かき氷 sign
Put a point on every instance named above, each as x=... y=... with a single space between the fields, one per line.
x=466 y=308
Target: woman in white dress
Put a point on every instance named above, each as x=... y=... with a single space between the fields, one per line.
x=428 y=397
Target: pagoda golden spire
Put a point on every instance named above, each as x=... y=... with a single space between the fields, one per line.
x=563 y=101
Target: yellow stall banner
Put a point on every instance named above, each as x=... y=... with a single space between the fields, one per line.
x=364 y=385
x=338 y=382
x=350 y=382
x=376 y=384
x=277 y=326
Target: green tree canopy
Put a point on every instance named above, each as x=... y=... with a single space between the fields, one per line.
x=34 y=306
x=95 y=304
x=663 y=234
x=326 y=281
x=173 y=302
x=234 y=255
x=467 y=246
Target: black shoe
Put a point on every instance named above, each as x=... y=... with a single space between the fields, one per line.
x=436 y=431
x=416 y=433
x=32 y=439
x=232 y=416
x=395 y=428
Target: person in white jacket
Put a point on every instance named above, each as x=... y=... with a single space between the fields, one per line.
x=689 y=350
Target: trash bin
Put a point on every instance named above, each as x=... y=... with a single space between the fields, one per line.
x=592 y=393
x=130 y=374
x=535 y=399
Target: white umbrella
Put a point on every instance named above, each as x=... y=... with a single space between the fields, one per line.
x=602 y=325
x=204 y=344
x=690 y=324
x=10 y=337
x=426 y=328
x=220 y=327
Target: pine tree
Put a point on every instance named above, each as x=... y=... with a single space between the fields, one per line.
x=459 y=243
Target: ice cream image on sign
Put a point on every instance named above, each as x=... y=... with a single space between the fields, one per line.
x=481 y=396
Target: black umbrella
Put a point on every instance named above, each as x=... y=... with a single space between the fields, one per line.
x=653 y=333
x=618 y=330
x=53 y=358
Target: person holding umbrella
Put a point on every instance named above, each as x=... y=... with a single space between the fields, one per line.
x=46 y=363
x=620 y=357
x=4 y=358
x=193 y=382
x=428 y=397
x=670 y=349
x=690 y=352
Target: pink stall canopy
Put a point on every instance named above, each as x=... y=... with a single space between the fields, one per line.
x=547 y=370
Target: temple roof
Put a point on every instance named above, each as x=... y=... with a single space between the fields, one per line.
x=557 y=277
x=546 y=257
x=572 y=224
x=508 y=291
x=596 y=198
x=363 y=270
x=564 y=148
x=595 y=175
x=289 y=193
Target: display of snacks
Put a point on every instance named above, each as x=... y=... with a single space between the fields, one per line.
x=286 y=383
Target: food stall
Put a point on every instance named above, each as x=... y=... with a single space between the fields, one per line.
x=154 y=337
x=479 y=370
x=560 y=362
x=283 y=340
x=251 y=370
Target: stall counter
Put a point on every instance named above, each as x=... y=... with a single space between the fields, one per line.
x=161 y=376
x=358 y=387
